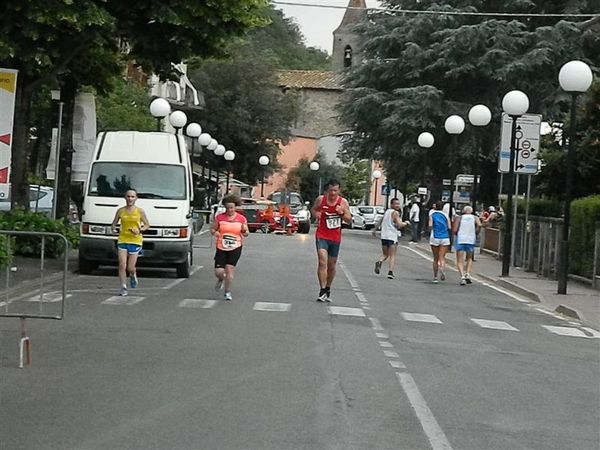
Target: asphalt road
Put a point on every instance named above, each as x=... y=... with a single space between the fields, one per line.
x=389 y=364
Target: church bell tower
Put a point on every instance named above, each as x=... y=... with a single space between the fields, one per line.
x=346 y=44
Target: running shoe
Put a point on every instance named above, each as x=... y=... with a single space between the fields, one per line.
x=133 y=281
x=328 y=292
x=468 y=279
x=123 y=292
x=391 y=275
x=227 y=296
x=378 y=267
x=218 y=285
x=463 y=281
x=442 y=275
x=435 y=281
x=322 y=296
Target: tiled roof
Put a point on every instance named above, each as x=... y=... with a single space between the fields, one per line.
x=311 y=79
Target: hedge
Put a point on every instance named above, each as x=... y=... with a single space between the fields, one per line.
x=585 y=217
x=20 y=220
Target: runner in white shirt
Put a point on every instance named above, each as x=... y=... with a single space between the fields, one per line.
x=466 y=228
x=391 y=224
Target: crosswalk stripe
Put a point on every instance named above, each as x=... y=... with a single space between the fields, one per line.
x=345 y=311
x=494 y=324
x=123 y=301
x=416 y=317
x=267 y=306
x=565 y=331
x=197 y=303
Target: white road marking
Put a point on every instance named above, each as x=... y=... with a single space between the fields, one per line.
x=376 y=324
x=351 y=279
x=361 y=297
x=565 y=331
x=345 y=311
x=382 y=335
x=48 y=297
x=391 y=354
x=268 y=306
x=553 y=314
x=197 y=303
x=123 y=301
x=181 y=280
x=416 y=317
x=397 y=365
x=422 y=255
x=594 y=334
x=385 y=344
x=494 y=324
x=432 y=429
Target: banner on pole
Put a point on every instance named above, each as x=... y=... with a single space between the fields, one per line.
x=8 y=92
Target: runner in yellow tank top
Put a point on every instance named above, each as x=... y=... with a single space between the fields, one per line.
x=133 y=223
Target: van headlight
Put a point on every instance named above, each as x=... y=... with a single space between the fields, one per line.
x=170 y=232
x=96 y=229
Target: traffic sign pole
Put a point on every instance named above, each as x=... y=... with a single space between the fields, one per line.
x=507 y=244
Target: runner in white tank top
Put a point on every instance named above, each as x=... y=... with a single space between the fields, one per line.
x=465 y=228
x=391 y=224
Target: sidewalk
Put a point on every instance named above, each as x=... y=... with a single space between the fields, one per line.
x=582 y=302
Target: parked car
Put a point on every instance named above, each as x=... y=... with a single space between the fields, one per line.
x=295 y=200
x=357 y=221
x=303 y=217
x=41 y=199
x=369 y=214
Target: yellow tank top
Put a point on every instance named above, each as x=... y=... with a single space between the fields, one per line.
x=130 y=220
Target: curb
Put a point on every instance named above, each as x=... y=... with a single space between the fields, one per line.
x=568 y=311
x=511 y=287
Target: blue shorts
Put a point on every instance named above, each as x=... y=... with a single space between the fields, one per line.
x=332 y=248
x=468 y=248
x=131 y=249
x=388 y=243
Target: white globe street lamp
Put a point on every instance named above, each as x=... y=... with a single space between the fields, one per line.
x=454 y=125
x=426 y=140
x=376 y=175
x=204 y=139
x=159 y=108
x=263 y=161
x=193 y=130
x=178 y=119
x=574 y=77
x=212 y=145
x=220 y=151
x=479 y=116
x=515 y=104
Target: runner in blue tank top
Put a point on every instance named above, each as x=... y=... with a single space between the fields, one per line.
x=439 y=224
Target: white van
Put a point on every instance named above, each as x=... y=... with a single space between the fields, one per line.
x=157 y=166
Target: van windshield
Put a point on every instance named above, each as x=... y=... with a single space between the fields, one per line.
x=113 y=179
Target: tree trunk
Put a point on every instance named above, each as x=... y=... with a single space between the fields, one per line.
x=20 y=145
x=68 y=91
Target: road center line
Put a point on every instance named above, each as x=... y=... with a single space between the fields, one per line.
x=432 y=429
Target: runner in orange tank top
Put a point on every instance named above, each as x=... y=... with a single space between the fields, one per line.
x=330 y=211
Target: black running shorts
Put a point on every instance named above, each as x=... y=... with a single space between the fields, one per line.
x=229 y=258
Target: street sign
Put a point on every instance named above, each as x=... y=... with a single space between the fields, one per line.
x=527 y=144
x=422 y=190
x=446 y=182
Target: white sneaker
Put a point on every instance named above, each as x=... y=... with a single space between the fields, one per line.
x=123 y=292
x=218 y=285
x=468 y=279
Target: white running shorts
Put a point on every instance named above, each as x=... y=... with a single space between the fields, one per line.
x=436 y=242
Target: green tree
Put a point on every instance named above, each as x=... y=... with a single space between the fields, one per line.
x=124 y=108
x=355 y=180
x=421 y=68
x=306 y=181
x=245 y=111
x=58 y=41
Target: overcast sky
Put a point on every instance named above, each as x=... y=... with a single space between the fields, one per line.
x=317 y=24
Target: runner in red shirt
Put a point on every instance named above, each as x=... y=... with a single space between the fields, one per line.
x=230 y=229
x=329 y=210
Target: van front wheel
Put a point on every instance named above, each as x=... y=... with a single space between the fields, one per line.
x=183 y=269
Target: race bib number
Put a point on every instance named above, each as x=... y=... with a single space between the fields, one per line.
x=229 y=242
x=333 y=222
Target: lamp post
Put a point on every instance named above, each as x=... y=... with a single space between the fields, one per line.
x=204 y=139
x=229 y=156
x=315 y=166
x=454 y=125
x=218 y=150
x=376 y=175
x=479 y=116
x=193 y=130
x=56 y=96
x=263 y=161
x=177 y=119
x=575 y=77
x=159 y=108
x=515 y=104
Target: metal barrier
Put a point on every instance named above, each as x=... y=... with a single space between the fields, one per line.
x=13 y=304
